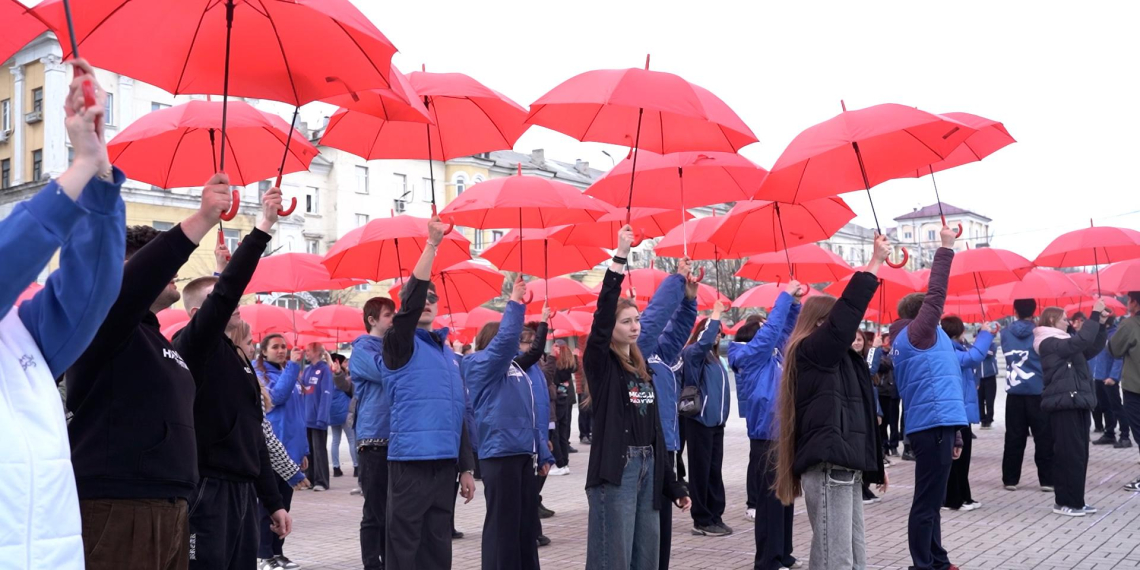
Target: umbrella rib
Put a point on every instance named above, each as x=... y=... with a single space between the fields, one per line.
x=284 y=56
x=363 y=53
x=923 y=143
x=290 y=148
x=173 y=155
x=96 y=27
x=591 y=124
x=480 y=107
x=190 y=48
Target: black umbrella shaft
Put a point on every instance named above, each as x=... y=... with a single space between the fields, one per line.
x=866 y=185
x=284 y=157
x=431 y=171
x=1096 y=269
x=633 y=171
x=70 y=29
x=784 y=239
x=937 y=198
x=399 y=263
x=226 y=81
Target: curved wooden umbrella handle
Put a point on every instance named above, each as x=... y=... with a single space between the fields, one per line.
x=528 y=297
x=959 y=234
x=289 y=210
x=235 y=204
x=701 y=276
x=222 y=240
x=901 y=264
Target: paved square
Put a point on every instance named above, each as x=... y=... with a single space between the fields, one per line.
x=1012 y=530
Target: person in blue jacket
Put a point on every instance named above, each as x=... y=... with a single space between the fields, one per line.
x=958 y=496
x=82 y=213
x=511 y=449
x=756 y=358
x=704 y=432
x=338 y=414
x=1106 y=371
x=279 y=372
x=987 y=385
x=665 y=325
x=317 y=384
x=373 y=428
x=1024 y=383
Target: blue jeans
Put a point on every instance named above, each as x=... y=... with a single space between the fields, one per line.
x=351 y=435
x=624 y=529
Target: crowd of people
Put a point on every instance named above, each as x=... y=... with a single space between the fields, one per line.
x=188 y=452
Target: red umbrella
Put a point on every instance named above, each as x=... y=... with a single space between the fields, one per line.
x=521 y=202
x=570 y=323
x=1047 y=286
x=167 y=317
x=21 y=26
x=650 y=223
x=336 y=318
x=264 y=319
x=454 y=321
x=1091 y=246
x=975 y=270
x=1086 y=281
x=894 y=284
x=30 y=292
x=379 y=249
x=639 y=284
x=708 y=177
x=1085 y=306
x=698 y=236
x=397 y=103
x=707 y=296
x=293 y=273
x=480 y=316
x=543 y=255
x=461 y=287
x=811 y=264
x=764 y=296
x=466 y=118
x=558 y=293
x=760 y=226
x=178 y=147
x=1119 y=277
x=970 y=310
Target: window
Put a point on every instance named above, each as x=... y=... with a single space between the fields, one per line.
x=907 y=235
x=930 y=235
x=232 y=239
x=460 y=185
x=162 y=226
x=496 y=235
x=401 y=187
x=37 y=99
x=37 y=164
x=70 y=155
x=361 y=220
x=156 y=106
x=427 y=190
x=312 y=246
x=6 y=115
x=312 y=200
x=478 y=243
x=109 y=117
x=361 y=179
x=5 y=173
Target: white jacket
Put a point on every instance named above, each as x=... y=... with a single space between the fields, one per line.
x=39 y=508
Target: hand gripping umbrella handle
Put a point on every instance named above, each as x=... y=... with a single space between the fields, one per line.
x=638 y=235
x=901 y=264
x=528 y=297
x=235 y=204
x=959 y=234
x=701 y=275
x=289 y=210
x=222 y=240
x=450 y=225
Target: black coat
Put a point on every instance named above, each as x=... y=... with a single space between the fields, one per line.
x=835 y=405
x=886 y=376
x=1065 y=362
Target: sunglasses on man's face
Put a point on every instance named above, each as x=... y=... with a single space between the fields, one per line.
x=432 y=297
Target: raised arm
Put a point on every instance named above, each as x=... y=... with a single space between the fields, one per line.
x=400 y=338
x=975 y=354
x=1084 y=339
x=767 y=338
x=664 y=304
x=923 y=332
x=829 y=342
x=602 y=330
x=491 y=363
x=537 y=348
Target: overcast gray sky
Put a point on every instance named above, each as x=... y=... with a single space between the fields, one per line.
x=1062 y=77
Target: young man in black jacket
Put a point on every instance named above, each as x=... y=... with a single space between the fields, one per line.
x=132 y=396
x=233 y=459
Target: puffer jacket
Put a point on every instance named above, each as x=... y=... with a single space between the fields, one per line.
x=703 y=369
x=930 y=383
x=968 y=358
x=1023 y=364
x=1068 y=383
x=373 y=407
x=288 y=413
x=665 y=325
x=759 y=365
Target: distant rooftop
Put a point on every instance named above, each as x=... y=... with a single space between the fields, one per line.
x=931 y=211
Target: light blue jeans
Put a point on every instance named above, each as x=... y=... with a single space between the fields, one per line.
x=624 y=530
x=351 y=435
x=834 y=498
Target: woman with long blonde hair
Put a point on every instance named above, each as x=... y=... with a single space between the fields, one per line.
x=828 y=439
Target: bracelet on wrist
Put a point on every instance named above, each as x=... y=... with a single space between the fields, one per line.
x=619 y=259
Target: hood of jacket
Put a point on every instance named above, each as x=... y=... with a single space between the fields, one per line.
x=1022 y=329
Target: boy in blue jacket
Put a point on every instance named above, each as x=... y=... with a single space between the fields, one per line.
x=82 y=213
x=1106 y=371
x=756 y=358
x=373 y=427
x=958 y=496
x=317 y=382
x=704 y=432
x=1024 y=383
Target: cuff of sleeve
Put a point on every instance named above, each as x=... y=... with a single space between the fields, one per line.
x=101 y=196
x=259 y=236
x=55 y=210
x=300 y=476
x=272 y=506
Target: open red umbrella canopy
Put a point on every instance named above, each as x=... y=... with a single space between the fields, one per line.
x=296 y=52
x=1119 y=277
x=480 y=316
x=811 y=263
x=465 y=118
x=680 y=180
x=1047 y=286
x=264 y=319
x=859 y=149
x=894 y=284
x=760 y=226
x=1091 y=246
x=1086 y=306
x=639 y=284
x=979 y=269
x=521 y=202
x=558 y=293
x=967 y=308
x=764 y=296
x=179 y=147
x=991 y=136
x=693 y=240
x=293 y=273
x=335 y=319
x=542 y=256
x=571 y=323
x=648 y=223
x=400 y=102
x=21 y=26
x=389 y=248
x=167 y=317
x=461 y=287
x=652 y=110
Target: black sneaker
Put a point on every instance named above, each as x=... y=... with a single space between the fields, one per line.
x=543 y=512
x=337 y=472
x=1098 y=429
x=1104 y=440
x=456 y=535
x=572 y=449
x=543 y=541
x=356 y=472
x=710 y=530
x=1133 y=486
x=283 y=562
x=724 y=527
x=1122 y=443
x=907 y=455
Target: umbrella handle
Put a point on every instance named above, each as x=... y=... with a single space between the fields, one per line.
x=959 y=234
x=235 y=204
x=222 y=240
x=633 y=293
x=701 y=276
x=450 y=226
x=289 y=210
x=901 y=264
x=526 y=300
x=639 y=235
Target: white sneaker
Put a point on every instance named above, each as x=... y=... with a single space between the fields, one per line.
x=267 y=564
x=559 y=471
x=750 y=515
x=319 y=488
x=1068 y=511
x=1011 y=487
x=1046 y=488
x=971 y=506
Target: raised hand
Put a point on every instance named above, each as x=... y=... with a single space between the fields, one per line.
x=1098 y=306
x=436 y=230
x=296 y=356
x=794 y=289
x=685 y=267
x=545 y=313
x=625 y=239
x=518 y=291
x=85 y=123
x=717 y=310
x=880 y=254
x=270 y=205
x=948 y=236
x=878 y=342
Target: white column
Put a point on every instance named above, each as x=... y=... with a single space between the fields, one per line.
x=126 y=102
x=55 y=133
x=18 y=154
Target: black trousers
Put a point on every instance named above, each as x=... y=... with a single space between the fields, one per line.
x=987 y=395
x=562 y=434
x=1132 y=411
x=318 y=471
x=585 y=419
x=682 y=473
x=1071 y=456
x=374 y=486
x=933 y=454
x=269 y=544
x=1108 y=399
x=510 y=529
x=223 y=525
x=958 y=486
x=773 y=531
x=666 y=513
x=421 y=499
x=1023 y=416
x=889 y=430
x=706 y=482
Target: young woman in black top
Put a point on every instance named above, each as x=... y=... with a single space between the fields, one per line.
x=625 y=485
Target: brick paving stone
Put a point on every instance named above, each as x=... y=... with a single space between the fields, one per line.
x=1012 y=531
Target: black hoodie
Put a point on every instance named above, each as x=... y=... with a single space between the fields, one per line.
x=227 y=410
x=132 y=396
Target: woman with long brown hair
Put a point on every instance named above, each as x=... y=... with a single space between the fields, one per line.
x=828 y=437
x=626 y=481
